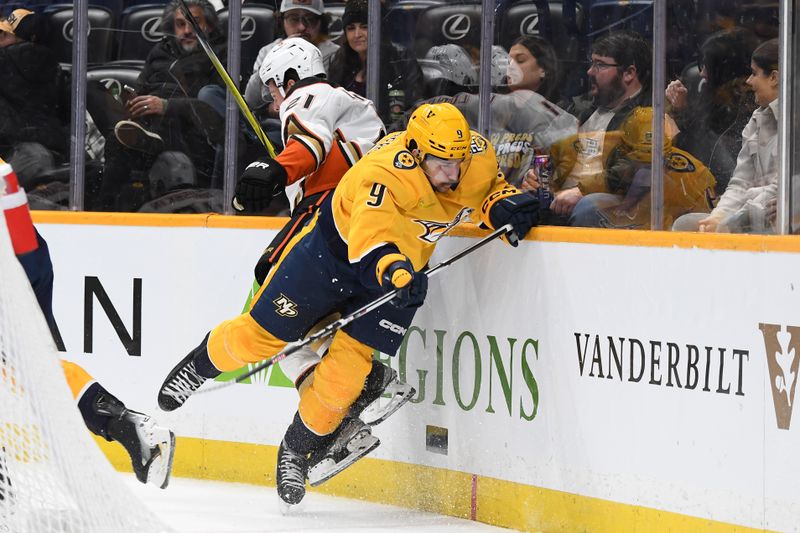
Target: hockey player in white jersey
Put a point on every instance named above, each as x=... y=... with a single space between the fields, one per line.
x=325 y=130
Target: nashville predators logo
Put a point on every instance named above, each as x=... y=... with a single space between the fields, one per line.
x=285 y=307
x=477 y=145
x=680 y=163
x=404 y=160
x=436 y=230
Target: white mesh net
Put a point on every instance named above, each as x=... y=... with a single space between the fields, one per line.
x=53 y=477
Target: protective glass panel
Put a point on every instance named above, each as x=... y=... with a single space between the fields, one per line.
x=35 y=97
x=722 y=95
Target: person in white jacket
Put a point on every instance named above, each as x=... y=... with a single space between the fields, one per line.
x=743 y=208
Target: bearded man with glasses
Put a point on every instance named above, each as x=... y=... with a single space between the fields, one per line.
x=618 y=72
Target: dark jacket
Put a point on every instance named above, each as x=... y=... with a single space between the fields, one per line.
x=582 y=107
x=171 y=73
x=711 y=127
x=29 y=97
x=398 y=70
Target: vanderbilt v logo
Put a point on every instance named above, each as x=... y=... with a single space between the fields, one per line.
x=783 y=358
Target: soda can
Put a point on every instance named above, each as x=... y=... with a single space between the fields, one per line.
x=543 y=168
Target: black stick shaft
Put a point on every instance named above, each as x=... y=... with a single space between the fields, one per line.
x=342 y=322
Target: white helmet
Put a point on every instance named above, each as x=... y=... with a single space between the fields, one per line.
x=500 y=63
x=451 y=62
x=292 y=53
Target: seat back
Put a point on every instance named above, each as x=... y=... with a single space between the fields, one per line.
x=258 y=29
x=400 y=20
x=58 y=23
x=448 y=24
x=140 y=30
x=114 y=76
x=529 y=18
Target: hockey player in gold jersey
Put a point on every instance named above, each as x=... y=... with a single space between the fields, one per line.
x=374 y=235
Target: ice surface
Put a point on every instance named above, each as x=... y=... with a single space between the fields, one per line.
x=196 y=506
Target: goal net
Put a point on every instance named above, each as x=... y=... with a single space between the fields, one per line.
x=53 y=476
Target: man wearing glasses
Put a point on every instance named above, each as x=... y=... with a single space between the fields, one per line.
x=297 y=18
x=619 y=77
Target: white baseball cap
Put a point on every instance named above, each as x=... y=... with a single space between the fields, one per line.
x=314 y=6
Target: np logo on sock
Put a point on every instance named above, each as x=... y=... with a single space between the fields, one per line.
x=285 y=307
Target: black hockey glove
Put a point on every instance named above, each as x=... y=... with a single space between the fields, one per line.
x=260 y=182
x=519 y=210
x=413 y=286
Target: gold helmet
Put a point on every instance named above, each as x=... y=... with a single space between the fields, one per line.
x=439 y=130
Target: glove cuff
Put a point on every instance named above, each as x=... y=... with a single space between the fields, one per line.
x=394 y=269
x=492 y=200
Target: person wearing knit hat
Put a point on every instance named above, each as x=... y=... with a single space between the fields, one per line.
x=355 y=11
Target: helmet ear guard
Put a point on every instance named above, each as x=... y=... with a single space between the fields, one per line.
x=293 y=53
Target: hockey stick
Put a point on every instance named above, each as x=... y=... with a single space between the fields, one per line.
x=212 y=56
x=333 y=327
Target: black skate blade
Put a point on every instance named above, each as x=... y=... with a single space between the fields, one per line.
x=316 y=476
x=286 y=508
x=383 y=408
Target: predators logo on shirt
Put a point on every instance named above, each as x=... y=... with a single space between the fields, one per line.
x=679 y=163
x=436 y=230
x=404 y=159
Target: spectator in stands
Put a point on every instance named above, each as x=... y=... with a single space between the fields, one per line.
x=619 y=77
x=534 y=66
x=29 y=109
x=688 y=184
x=166 y=113
x=523 y=120
x=750 y=195
x=712 y=117
x=297 y=18
x=400 y=77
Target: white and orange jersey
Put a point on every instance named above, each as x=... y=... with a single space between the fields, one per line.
x=326 y=129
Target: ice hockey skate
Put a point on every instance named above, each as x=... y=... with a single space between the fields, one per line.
x=291 y=476
x=151 y=447
x=182 y=381
x=371 y=406
x=352 y=441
